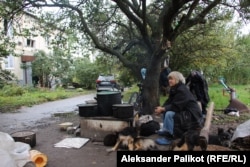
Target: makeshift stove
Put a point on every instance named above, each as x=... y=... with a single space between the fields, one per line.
x=104 y=115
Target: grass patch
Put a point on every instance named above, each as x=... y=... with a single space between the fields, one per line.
x=220 y=99
x=31 y=96
x=128 y=93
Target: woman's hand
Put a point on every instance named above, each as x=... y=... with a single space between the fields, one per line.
x=159 y=110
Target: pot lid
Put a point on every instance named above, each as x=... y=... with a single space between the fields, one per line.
x=122 y=105
x=108 y=92
x=86 y=105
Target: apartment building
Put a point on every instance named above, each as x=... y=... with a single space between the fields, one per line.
x=26 y=46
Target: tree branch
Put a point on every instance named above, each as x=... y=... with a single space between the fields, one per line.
x=142 y=25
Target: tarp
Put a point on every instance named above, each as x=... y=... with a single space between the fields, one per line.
x=242 y=130
x=13 y=154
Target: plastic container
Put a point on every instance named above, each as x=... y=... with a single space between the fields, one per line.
x=38 y=158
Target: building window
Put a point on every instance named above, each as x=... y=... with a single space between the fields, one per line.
x=30 y=43
x=9 y=62
x=47 y=40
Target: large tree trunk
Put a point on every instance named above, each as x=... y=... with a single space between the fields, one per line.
x=151 y=86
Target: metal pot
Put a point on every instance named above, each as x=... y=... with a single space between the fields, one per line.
x=88 y=110
x=123 y=111
x=28 y=137
x=105 y=100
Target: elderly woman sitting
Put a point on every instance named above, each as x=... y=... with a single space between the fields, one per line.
x=180 y=100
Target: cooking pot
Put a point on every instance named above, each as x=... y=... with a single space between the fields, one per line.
x=88 y=110
x=28 y=137
x=105 y=100
x=123 y=110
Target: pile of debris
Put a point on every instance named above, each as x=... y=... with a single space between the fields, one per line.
x=241 y=137
x=242 y=144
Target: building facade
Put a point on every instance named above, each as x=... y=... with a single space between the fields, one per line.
x=29 y=36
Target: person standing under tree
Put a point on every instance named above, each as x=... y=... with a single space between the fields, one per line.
x=199 y=87
x=163 y=82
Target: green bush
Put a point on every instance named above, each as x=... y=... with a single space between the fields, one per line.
x=12 y=90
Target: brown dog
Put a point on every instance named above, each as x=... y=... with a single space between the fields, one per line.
x=128 y=139
x=144 y=144
x=125 y=138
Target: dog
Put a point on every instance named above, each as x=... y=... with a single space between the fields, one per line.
x=191 y=138
x=124 y=138
x=128 y=139
x=144 y=144
x=110 y=139
x=133 y=138
x=223 y=138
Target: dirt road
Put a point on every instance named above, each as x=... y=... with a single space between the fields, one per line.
x=28 y=117
x=40 y=119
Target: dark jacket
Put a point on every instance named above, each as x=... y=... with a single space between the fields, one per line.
x=199 y=87
x=182 y=100
x=164 y=77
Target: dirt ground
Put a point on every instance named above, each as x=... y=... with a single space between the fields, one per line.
x=91 y=154
x=48 y=133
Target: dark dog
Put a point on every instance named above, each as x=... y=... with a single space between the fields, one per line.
x=187 y=142
x=223 y=138
x=110 y=139
x=128 y=139
x=191 y=138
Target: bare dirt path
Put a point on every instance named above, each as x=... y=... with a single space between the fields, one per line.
x=41 y=120
x=28 y=117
